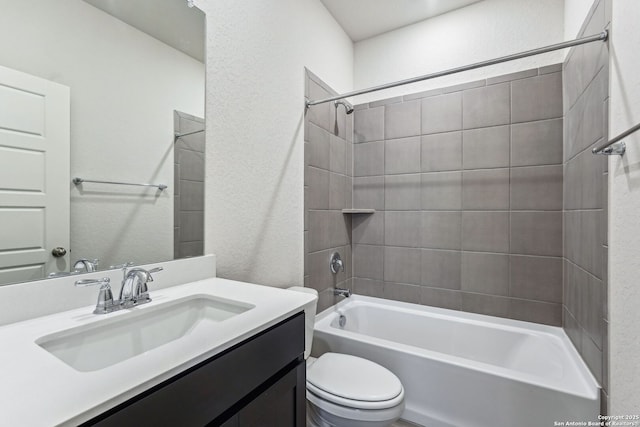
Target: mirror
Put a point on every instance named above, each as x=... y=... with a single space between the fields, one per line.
x=98 y=90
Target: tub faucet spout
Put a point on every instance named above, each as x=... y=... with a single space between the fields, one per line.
x=342 y=292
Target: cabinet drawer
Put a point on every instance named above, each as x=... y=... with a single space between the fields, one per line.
x=204 y=392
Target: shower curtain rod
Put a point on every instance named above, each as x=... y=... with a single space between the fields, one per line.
x=596 y=37
x=616 y=146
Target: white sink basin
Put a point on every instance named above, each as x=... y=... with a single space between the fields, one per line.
x=105 y=343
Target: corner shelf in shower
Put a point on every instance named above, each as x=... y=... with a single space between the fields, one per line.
x=358 y=211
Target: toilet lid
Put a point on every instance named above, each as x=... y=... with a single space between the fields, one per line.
x=353 y=378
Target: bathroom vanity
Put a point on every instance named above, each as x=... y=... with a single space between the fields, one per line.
x=259 y=381
x=214 y=351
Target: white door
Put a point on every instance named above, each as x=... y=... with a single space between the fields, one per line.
x=34 y=176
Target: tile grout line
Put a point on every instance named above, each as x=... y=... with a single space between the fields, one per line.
x=462 y=138
x=384 y=192
x=510 y=288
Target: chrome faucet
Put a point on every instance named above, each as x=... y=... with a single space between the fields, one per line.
x=342 y=292
x=134 y=290
x=86 y=265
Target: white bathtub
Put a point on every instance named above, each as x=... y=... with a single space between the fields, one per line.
x=462 y=369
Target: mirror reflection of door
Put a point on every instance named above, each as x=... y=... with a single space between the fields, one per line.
x=128 y=65
x=34 y=176
x=188 y=186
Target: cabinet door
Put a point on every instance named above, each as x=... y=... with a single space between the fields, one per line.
x=281 y=405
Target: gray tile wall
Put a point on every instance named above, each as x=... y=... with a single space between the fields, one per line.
x=467 y=186
x=328 y=153
x=188 y=215
x=586 y=97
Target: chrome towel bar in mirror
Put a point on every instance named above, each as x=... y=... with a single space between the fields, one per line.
x=78 y=181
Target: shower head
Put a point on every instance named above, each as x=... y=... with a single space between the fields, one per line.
x=347 y=107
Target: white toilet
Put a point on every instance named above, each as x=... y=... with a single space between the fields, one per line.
x=345 y=390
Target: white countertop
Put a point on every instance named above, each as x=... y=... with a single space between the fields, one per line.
x=38 y=389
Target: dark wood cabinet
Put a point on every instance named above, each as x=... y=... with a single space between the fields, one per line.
x=257 y=383
x=275 y=407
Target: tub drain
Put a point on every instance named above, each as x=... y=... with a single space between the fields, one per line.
x=342 y=320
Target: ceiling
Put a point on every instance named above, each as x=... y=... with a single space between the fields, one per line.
x=183 y=28
x=170 y=21
x=362 y=19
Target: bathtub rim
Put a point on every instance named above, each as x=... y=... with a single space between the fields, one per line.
x=588 y=389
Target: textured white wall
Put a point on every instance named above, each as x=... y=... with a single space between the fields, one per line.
x=256 y=54
x=575 y=12
x=624 y=205
x=478 y=32
x=124 y=88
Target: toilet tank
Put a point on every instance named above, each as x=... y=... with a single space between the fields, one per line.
x=309 y=317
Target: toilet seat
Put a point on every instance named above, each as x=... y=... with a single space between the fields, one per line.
x=353 y=382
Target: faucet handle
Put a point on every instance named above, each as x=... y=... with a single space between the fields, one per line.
x=105 y=282
x=62 y=274
x=144 y=290
x=105 y=302
x=123 y=265
x=335 y=263
x=153 y=270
